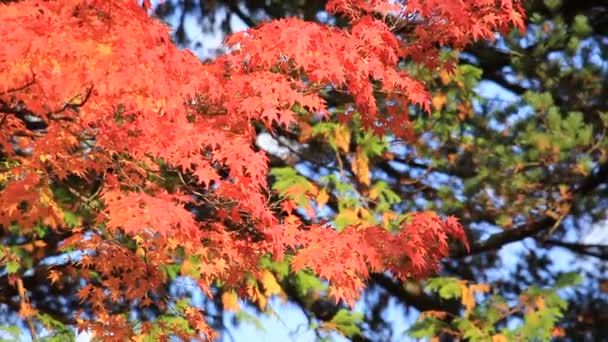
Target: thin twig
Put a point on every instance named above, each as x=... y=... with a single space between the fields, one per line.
x=27 y=84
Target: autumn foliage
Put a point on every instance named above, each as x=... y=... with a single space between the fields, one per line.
x=96 y=102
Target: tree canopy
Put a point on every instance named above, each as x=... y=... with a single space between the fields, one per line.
x=129 y=167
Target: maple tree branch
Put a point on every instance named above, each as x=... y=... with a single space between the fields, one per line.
x=321 y=308
x=40 y=294
x=498 y=240
x=26 y=85
x=234 y=7
x=71 y=105
x=593 y=250
x=32 y=329
x=413 y=295
x=21 y=112
x=415 y=164
x=492 y=61
x=193 y=191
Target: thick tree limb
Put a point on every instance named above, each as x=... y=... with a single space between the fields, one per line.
x=593 y=250
x=413 y=295
x=498 y=240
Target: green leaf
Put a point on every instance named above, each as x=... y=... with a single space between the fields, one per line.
x=604 y=118
x=385 y=195
x=471 y=74
x=347 y=322
x=70 y=218
x=60 y=336
x=553 y=4
x=470 y=331
x=40 y=231
x=448 y=288
x=581 y=26
x=13 y=330
x=291 y=184
x=279 y=268
x=176 y=322
x=243 y=316
x=345 y=219
x=172 y=270
x=568 y=279
x=426 y=328
x=12 y=266
x=307 y=282
x=371 y=144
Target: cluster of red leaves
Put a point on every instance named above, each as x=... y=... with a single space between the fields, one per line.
x=117 y=98
x=346 y=258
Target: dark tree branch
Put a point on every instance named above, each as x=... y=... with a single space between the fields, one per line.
x=498 y=240
x=413 y=295
x=593 y=250
x=57 y=302
x=234 y=8
x=321 y=308
x=23 y=87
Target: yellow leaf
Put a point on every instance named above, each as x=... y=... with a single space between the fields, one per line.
x=4 y=177
x=256 y=296
x=76 y=100
x=373 y=193
x=539 y=302
x=311 y=188
x=139 y=239
x=322 y=198
x=262 y=302
x=468 y=295
x=543 y=142
x=387 y=217
x=445 y=77
x=342 y=138
x=186 y=267
x=367 y=219
x=581 y=169
x=500 y=338
x=467 y=299
x=230 y=301
x=104 y=49
x=439 y=101
x=140 y=252
x=434 y=314
x=348 y=216
x=361 y=166
x=28 y=247
x=305 y=132
x=172 y=243
x=480 y=288
x=271 y=286
x=39 y=243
